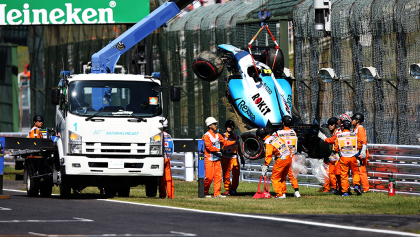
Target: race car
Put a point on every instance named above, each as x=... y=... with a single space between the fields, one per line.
x=260 y=95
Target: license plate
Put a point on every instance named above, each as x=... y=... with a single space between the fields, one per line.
x=116 y=164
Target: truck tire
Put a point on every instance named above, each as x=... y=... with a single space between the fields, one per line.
x=124 y=192
x=111 y=191
x=32 y=184
x=65 y=188
x=46 y=187
x=151 y=187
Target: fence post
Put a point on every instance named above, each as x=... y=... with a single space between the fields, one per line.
x=2 y=144
x=201 y=171
x=189 y=166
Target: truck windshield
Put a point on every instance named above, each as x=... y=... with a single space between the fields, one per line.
x=114 y=98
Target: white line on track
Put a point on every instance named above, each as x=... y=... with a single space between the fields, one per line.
x=172 y=233
x=5 y=209
x=353 y=228
x=75 y=219
x=21 y=191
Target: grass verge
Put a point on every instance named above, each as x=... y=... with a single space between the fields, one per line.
x=311 y=202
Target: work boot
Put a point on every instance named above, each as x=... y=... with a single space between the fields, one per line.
x=227 y=193
x=345 y=195
x=297 y=194
x=233 y=192
x=281 y=197
x=357 y=190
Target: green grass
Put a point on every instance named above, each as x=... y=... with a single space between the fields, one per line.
x=10 y=173
x=311 y=202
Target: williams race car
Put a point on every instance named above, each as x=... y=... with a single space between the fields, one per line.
x=259 y=95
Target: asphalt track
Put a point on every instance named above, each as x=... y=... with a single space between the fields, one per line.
x=90 y=216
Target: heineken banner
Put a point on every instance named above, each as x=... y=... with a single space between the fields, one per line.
x=46 y=12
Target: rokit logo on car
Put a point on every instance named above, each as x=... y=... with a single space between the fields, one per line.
x=242 y=106
x=262 y=106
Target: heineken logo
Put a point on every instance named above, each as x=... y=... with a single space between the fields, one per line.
x=67 y=14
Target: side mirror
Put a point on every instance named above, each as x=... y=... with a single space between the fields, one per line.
x=175 y=94
x=55 y=96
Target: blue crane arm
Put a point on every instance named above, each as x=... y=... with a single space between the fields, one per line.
x=105 y=60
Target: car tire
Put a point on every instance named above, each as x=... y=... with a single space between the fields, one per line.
x=252 y=147
x=207 y=66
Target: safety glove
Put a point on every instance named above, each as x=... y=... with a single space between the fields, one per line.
x=243 y=161
x=363 y=151
x=264 y=170
x=322 y=136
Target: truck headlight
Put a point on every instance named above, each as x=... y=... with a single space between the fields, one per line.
x=156 y=144
x=75 y=143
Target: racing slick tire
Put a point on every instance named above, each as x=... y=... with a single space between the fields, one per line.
x=252 y=147
x=207 y=66
x=278 y=67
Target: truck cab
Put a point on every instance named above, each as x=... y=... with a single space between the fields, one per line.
x=109 y=132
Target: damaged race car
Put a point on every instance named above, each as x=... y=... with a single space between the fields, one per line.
x=260 y=96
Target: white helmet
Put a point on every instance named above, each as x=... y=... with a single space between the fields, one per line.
x=210 y=120
x=165 y=123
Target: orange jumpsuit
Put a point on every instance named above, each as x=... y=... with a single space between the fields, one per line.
x=213 y=169
x=230 y=162
x=331 y=181
x=362 y=140
x=292 y=178
x=35 y=133
x=345 y=164
x=280 y=168
x=166 y=182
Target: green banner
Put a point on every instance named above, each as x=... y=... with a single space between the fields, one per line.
x=56 y=12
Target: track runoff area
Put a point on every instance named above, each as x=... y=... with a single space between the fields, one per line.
x=107 y=217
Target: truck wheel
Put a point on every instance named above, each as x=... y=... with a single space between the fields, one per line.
x=151 y=187
x=46 y=187
x=252 y=147
x=65 y=189
x=124 y=192
x=32 y=184
x=109 y=191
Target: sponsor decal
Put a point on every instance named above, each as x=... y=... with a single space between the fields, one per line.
x=67 y=14
x=122 y=133
x=267 y=89
x=153 y=100
x=242 y=106
x=98 y=132
x=262 y=106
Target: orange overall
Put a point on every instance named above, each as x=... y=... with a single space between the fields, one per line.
x=213 y=169
x=362 y=140
x=331 y=180
x=230 y=162
x=292 y=178
x=280 y=168
x=166 y=183
x=345 y=164
x=35 y=133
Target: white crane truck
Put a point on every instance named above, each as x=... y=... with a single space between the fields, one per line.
x=108 y=126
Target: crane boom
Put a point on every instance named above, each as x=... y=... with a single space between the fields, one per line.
x=105 y=60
